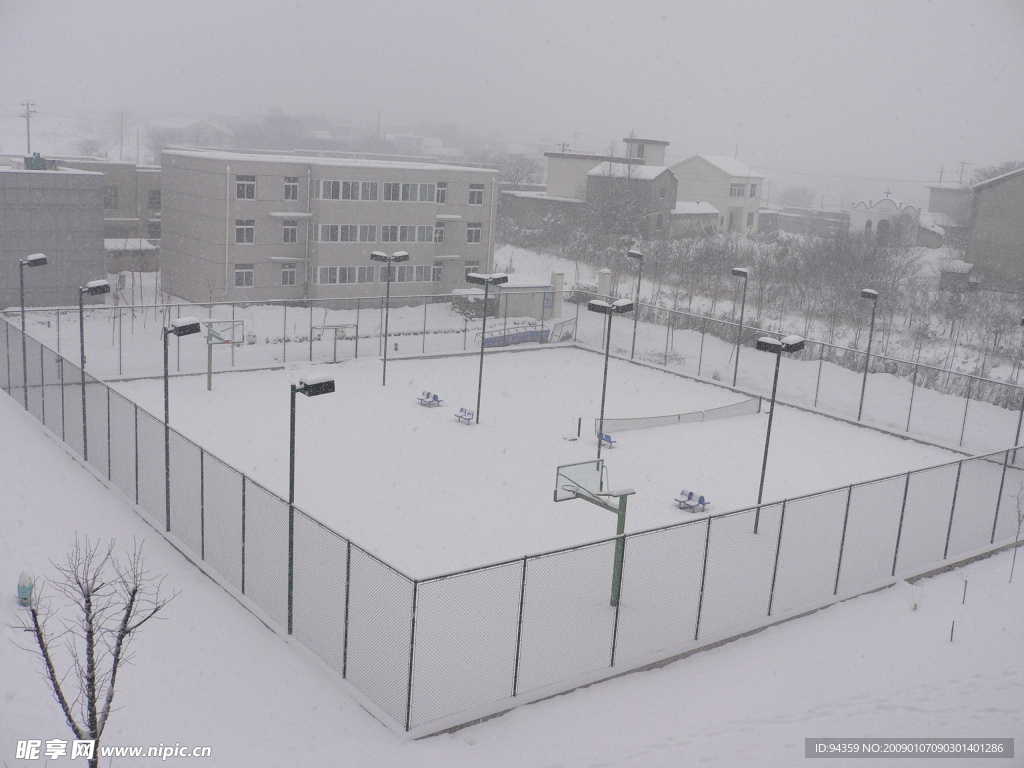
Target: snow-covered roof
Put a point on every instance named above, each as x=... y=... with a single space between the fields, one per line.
x=731 y=166
x=931 y=222
x=956 y=266
x=541 y=196
x=693 y=209
x=623 y=170
x=234 y=157
x=128 y=244
x=996 y=179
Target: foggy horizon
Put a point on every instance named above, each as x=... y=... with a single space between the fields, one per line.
x=867 y=97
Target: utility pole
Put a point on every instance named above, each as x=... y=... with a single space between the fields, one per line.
x=28 y=125
x=941 y=169
x=962 y=164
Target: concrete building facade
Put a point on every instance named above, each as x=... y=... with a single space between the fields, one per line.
x=239 y=226
x=731 y=187
x=57 y=212
x=996 y=241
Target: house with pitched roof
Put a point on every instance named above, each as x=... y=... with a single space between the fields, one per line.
x=731 y=187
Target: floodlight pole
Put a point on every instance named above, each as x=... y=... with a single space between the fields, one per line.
x=388 y=260
x=867 y=293
x=739 y=272
x=185 y=326
x=768 y=344
x=321 y=386
x=35 y=260
x=633 y=254
x=486 y=281
x=617 y=307
x=94 y=288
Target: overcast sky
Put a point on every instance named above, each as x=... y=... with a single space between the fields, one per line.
x=873 y=92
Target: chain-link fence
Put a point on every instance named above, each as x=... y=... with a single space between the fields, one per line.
x=429 y=653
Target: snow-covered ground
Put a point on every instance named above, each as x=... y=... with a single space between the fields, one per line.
x=881 y=665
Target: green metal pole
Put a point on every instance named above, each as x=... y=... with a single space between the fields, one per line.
x=291 y=511
x=209 y=365
x=620 y=548
x=767 y=440
x=604 y=382
x=739 y=334
x=483 y=337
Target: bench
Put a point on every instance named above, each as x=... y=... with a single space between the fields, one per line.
x=606 y=439
x=691 y=501
x=430 y=401
x=465 y=415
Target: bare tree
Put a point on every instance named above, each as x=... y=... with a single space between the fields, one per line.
x=84 y=639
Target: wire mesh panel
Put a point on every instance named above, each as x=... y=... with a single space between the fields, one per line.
x=1011 y=504
x=122 y=444
x=16 y=381
x=660 y=590
x=266 y=551
x=567 y=615
x=838 y=385
x=992 y=426
x=926 y=517
x=738 y=577
x=379 y=633
x=938 y=407
x=871 y=529
x=809 y=550
x=975 y=509
x=96 y=413
x=186 y=492
x=223 y=520
x=152 y=489
x=52 y=391
x=466 y=629
x=319 y=590
x=72 y=394
x=35 y=378
x=888 y=392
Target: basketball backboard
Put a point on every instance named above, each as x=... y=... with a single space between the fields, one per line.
x=225 y=331
x=582 y=478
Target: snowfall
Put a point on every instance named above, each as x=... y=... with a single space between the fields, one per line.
x=937 y=658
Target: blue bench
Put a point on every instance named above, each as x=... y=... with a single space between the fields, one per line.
x=430 y=401
x=465 y=415
x=606 y=439
x=691 y=501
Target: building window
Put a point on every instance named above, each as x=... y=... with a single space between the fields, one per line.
x=753 y=190
x=245 y=275
x=732 y=218
x=359 y=190
x=640 y=151
x=441 y=193
x=288 y=273
x=386 y=270
x=392 y=191
x=109 y=198
x=245 y=231
x=473 y=232
x=435 y=271
x=367 y=233
x=439 y=232
x=329 y=233
x=472 y=266
x=737 y=189
x=291 y=191
x=245 y=187
x=750 y=220
x=290 y=233
x=154 y=199
x=153 y=230
x=364 y=274
x=476 y=194
x=389 y=233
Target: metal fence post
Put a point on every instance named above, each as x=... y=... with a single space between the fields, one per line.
x=899 y=530
x=412 y=653
x=842 y=541
x=703 y=579
x=60 y=370
x=135 y=410
x=620 y=541
x=358 y=303
x=700 y=356
x=423 y=348
x=952 y=509
x=311 y=330
x=519 y=630
x=284 y=336
x=7 y=347
x=778 y=550
x=110 y=474
x=42 y=388
x=348 y=592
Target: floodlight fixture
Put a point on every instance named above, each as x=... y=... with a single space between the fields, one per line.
x=498 y=278
x=185 y=326
x=389 y=257
x=315 y=384
x=867 y=293
x=740 y=272
x=35 y=260
x=617 y=307
x=95 y=287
